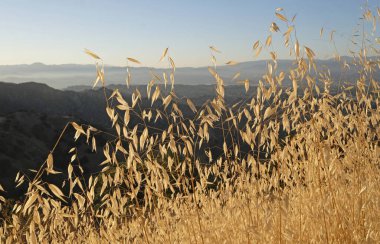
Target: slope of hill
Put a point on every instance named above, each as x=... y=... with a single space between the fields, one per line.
x=32 y=116
x=26 y=139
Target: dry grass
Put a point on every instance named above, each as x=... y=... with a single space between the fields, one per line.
x=318 y=184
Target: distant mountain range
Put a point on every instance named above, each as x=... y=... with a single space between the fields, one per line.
x=68 y=75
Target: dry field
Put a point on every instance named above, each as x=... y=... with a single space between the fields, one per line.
x=297 y=164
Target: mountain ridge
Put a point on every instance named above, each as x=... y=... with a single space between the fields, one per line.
x=61 y=76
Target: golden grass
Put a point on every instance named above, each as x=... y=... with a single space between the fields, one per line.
x=318 y=184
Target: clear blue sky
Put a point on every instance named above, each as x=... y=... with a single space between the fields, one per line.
x=57 y=31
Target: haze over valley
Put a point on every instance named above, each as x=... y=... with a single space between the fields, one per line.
x=68 y=75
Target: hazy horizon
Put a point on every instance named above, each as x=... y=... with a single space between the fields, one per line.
x=132 y=65
x=67 y=75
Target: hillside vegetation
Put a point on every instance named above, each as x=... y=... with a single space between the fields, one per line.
x=296 y=163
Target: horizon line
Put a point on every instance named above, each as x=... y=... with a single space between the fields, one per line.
x=142 y=66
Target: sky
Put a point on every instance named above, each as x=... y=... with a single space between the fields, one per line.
x=57 y=32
